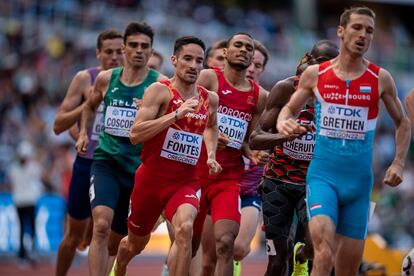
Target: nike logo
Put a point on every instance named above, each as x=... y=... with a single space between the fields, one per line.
x=114 y=89
x=177 y=101
x=133 y=224
x=191 y=196
x=225 y=92
x=256 y=204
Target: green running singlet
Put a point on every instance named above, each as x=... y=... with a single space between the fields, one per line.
x=119 y=114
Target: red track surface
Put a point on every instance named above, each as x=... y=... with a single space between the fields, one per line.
x=146 y=266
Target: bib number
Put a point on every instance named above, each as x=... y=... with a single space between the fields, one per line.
x=182 y=146
x=118 y=120
x=344 y=122
x=301 y=148
x=234 y=128
x=98 y=123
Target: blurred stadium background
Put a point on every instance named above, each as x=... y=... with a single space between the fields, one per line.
x=45 y=42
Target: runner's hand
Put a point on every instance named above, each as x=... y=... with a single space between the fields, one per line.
x=259 y=157
x=214 y=166
x=189 y=106
x=222 y=141
x=290 y=127
x=393 y=176
x=82 y=143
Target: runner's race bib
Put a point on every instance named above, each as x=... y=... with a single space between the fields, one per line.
x=301 y=148
x=182 y=146
x=234 y=128
x=98 y=123
x=119 y=120
x=343 y=121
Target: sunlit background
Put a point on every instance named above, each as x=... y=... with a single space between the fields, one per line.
x=44 y=43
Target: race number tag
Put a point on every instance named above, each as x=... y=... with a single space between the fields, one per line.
x=301 y=148
x=98 y=123
x=234 y=128
x=182 y=146
x=118 y=120
x=344 y=122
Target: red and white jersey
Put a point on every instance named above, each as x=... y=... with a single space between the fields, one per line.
x=175 y=151
x=235 y=112
x=346 y=111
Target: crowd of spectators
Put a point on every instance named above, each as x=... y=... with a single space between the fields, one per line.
x=44 y=43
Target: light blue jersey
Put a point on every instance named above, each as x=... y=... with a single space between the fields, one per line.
x=340 y=175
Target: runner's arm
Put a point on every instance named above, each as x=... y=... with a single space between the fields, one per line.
x=89 y=108
x=286 y=124
x=388 y=93
x=261 y=103
x=93 y=101
x=409 y=104
x=211 y=132
x=208 y=79
x=70 y=110
x=149 y=122
x=146 y=124
x=265 y=135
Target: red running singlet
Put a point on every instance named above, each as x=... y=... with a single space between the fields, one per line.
x=175 y=151
x=234 y=114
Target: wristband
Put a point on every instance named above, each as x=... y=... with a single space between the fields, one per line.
x=176 y=115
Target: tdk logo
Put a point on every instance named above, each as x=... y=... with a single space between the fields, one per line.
x=126 y=113
x=185 y=137
x=348 y=112
x=233 y=122
x=331 y=110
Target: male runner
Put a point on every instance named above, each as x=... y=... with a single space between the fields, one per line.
x=214 y=59
x=156 y=60
x=241 y=101
x=78 y=223
x=215 y=56
x=115 y=158
x=347 y=92
x=251 y=203
x=174 y=117
x=283 y=190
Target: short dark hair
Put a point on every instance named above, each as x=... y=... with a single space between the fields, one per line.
x=184 y=40
x=238 y=33
x=107 y=34
x=262 y=49
x=325 y=49
x=221 y=44
x=322 y=51
x=139 y=28
x=344 y=19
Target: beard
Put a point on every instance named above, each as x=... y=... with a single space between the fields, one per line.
x=238 y=66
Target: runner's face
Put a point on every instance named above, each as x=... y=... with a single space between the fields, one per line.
x=154 y=62
x=256 y=68
x=137 y=50
x=216 y=59
x=356 y=37
x=240 y=51
x=188 y=63
x=110 y=55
